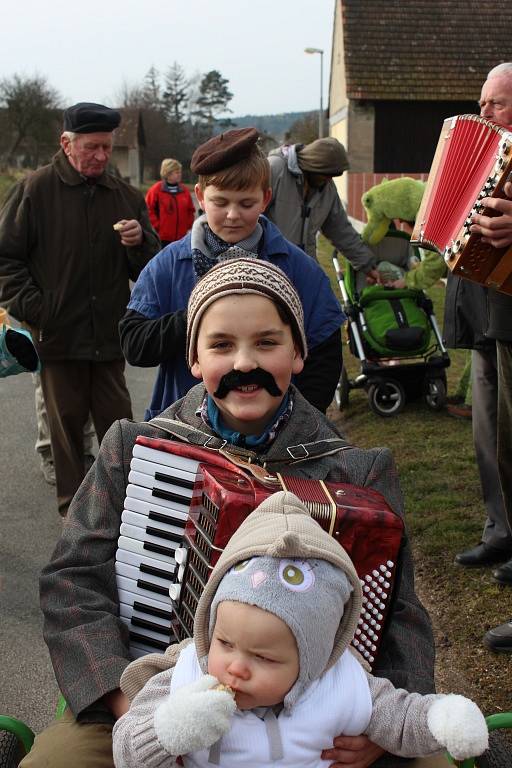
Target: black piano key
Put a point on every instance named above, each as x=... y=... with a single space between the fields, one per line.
x=153 y=587
x=158 y=644
x=152 y=571
x=181 y=482
x=158 y=548
x=178 y=522
x=135 y=621
x=161 y=493
x=167 y=535
x=160 y=612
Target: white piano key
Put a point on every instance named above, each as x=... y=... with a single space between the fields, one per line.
x=147 y=481
x=143 y=522
x=145 y=494
x=131 y=586
x=150 y=468
x=167 y=459
x=130 y=544
x=145 y=507
x=134 y=532
x=132 y=572
x=129 y=612
x=131 y=598
x=134 y=558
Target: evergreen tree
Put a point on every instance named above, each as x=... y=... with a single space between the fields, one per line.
x=214 y=97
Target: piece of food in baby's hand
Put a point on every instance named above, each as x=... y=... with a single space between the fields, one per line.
x=222 y=687
x=118 y=226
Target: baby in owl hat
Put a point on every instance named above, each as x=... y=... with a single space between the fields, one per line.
x=273 y=628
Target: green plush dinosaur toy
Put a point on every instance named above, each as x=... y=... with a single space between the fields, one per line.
x=395 y=199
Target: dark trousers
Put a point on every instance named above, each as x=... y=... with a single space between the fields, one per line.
x=496 y=531
x=72 y=389
x=504 y=353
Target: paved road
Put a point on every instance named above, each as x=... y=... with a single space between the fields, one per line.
x=29 y=528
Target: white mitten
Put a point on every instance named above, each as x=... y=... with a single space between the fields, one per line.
x=458 y=724
x=193 y=717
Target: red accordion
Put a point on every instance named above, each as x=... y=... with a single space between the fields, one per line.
x=185 y=523
x=473 y=160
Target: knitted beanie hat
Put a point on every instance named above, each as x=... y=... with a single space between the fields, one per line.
x=281 y=560
x=325 y=156
x=241 y=276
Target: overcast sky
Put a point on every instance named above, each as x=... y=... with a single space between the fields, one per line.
x=87 y=50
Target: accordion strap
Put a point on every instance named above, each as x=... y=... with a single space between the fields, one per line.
x=295 y=454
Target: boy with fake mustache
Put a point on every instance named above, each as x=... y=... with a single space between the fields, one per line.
x=244 y=316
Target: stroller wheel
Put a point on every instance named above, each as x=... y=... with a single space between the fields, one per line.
x=435 y=395
x=386 y=398
x=342 y=390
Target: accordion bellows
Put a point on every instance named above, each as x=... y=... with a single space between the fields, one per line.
x=473 y=160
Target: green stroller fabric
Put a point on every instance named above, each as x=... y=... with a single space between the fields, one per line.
x=395 y=323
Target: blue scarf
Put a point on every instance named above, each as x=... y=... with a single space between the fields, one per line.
x=211 y=415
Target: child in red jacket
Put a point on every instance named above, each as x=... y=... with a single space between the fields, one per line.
x=170 y=205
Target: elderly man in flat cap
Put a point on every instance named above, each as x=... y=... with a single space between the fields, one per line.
x=71 y=237
x=305 y=200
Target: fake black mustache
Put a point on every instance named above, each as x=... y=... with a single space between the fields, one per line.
x=258 y=376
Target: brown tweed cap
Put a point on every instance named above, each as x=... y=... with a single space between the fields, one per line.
x=223 y=151
x=239 y=276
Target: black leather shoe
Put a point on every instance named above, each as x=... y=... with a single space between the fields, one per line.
x=481 y=555
x=499 y=639
x=503 y=574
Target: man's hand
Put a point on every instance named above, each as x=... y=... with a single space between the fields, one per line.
x=352 y=752
x=130 y=231
x=496 y=230
x=373 y=277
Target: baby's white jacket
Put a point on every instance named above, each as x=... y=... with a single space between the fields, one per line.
x=345 y=700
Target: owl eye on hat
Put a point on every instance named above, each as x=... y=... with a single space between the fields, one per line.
x=223 y=151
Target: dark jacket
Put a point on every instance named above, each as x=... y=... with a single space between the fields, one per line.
x=474 y=316
x=63 y=270
x=88 y=642
x=500 y=316
x=465 y=315
x=171 y=214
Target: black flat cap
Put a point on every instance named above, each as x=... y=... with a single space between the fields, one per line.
x=223 y=151
x=86 y=117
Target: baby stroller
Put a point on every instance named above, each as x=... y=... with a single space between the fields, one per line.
x=394 y=333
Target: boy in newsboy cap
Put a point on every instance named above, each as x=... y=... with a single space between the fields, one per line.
x=245 y=340
x=233 y=190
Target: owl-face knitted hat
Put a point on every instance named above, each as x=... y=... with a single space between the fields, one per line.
x=241 y=276
x=282 y=561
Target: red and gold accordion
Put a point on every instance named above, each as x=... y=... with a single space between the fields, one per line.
x=182 y=506
x=473 y=160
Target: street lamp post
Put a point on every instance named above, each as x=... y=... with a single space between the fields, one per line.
x=321 y=112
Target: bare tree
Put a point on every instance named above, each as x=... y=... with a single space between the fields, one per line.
x=30 y=104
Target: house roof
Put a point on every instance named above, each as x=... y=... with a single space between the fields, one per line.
x=423 y=49
x=130 y=133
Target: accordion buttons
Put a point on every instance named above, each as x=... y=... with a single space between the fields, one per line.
x=180 y=555
x=174 y=591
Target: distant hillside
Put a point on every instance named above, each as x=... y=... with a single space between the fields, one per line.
x=274 y=125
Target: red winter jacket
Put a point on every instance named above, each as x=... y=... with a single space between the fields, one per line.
x=171 y=214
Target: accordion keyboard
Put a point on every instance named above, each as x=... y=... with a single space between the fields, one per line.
x=153 y=523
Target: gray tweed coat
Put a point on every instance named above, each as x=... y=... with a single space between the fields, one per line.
x=87 y=641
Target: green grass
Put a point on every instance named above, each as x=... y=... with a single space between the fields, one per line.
x=444 y=514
